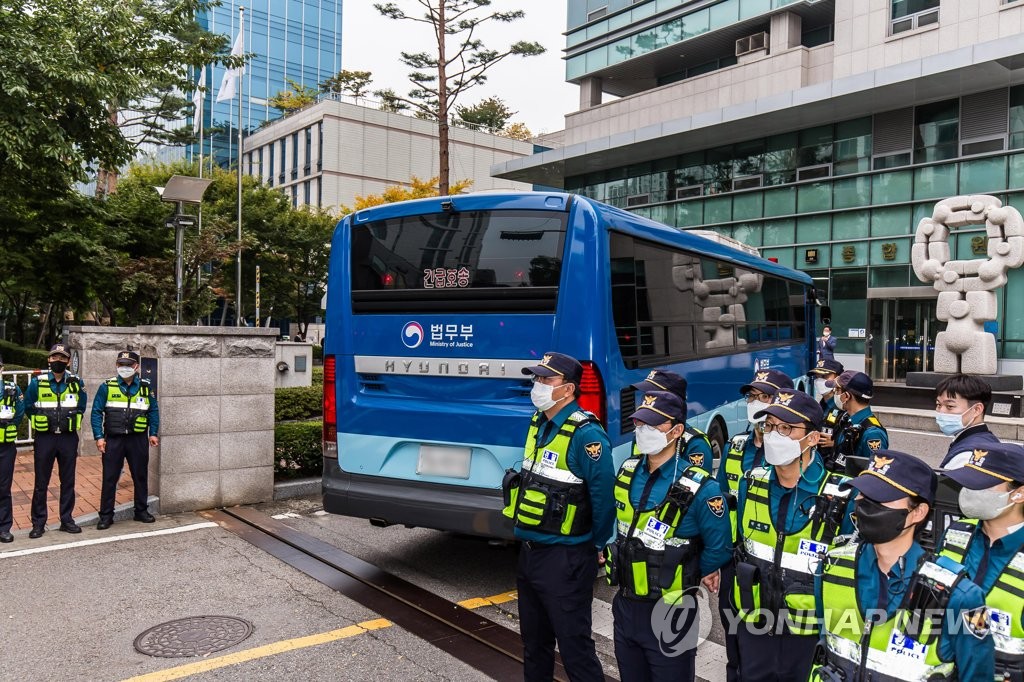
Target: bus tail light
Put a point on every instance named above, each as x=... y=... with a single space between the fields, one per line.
x=330 y=409
x=592 y=398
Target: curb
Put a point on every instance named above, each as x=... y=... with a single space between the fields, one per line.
x=286 y=490
x=122 y=512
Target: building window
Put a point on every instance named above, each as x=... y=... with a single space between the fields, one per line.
x=320 y=147
x=305 y=193
x=295 y=196
x=936 y=131
x=280 y=175
x=910 y=14
x=295 y=155
x=259 y=158
x=320 y=192
x=270 y=164
x=1017 y=117
x=309 y=151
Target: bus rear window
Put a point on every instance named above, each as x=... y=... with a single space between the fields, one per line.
x=474 y=261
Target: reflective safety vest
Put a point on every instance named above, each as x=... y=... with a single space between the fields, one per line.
x=546 y=496
x=8 y=406
x=891 y=653
x=56 y=413
x=775 y=571
x=1005 y=599
x=689 y=434
x=733 y=474
x=647 y=560
x=123 y=415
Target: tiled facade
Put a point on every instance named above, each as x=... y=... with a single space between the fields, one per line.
x=822 y=140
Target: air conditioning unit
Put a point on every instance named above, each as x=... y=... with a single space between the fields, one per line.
x=823 y=170
x=689 y=191
x=638 y=200
x=746 y=182
x=751 y=43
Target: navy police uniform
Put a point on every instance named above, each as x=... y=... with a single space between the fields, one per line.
x=12 y=410
x=996 y=566
x=861 y=434
x=55 y=403
x=887 y=612
x=697 y=448
x=125 y=415
x=562 y=509
x=976 y=437
x=672 y=530
x=744 y=454
x=783 y=533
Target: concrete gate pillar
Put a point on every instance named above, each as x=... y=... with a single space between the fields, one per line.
x=216 y=391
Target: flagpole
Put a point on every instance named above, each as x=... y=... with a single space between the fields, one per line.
x=238 y=274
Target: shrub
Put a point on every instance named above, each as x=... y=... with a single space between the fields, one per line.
x=318 y=352
x=33 y=358
x=298 y=449
x=301 y=402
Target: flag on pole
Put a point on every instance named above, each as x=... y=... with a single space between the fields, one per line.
x=197 y=101
x=227 y=84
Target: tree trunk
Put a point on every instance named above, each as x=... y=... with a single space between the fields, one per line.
x=442 y=102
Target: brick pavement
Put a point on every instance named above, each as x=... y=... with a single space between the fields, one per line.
x=88 y=479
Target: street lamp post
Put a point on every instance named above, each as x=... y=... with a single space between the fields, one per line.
x=181 y=190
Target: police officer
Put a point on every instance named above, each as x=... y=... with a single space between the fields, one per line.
x=961 y=401
x=890 y=610
x=12 y=409
x=745 y=452
x=672 y=531
x=989 y=542
x=125 y=422
x=861 y=433
x=823 y=372
x=789 y=513
x=562 y=508
x=55 y=402
x=696 y=446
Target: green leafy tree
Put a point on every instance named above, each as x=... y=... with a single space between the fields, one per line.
x=345 y=82
x=70 y=68
x=296 y=97
x=390 y=101
x=490 y=114
x=517 y=131
x=416 y=189
x=458 y=61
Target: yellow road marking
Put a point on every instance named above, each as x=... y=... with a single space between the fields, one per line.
x=298 y=643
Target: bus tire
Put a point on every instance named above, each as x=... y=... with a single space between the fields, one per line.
x=717 y=436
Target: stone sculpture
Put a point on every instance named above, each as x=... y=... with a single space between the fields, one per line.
x=967 y=288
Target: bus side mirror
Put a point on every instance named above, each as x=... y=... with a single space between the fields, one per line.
x=826 y=314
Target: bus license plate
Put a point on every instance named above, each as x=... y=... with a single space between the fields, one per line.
x=448 y=462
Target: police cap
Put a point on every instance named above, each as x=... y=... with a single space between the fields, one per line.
x=857 y=383
x=768 y=381
x=557 y=365
x=996 y=463
x=127 y=357
x=893 y=475
x=827 y=366
x=663 y=380
x=59 y=349
x=794 y=407
x=657 y=407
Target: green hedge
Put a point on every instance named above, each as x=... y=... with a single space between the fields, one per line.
x=302 y=402
x=33 y=358
x=298 y=449
x=318 y=352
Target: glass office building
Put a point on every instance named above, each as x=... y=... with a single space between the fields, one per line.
x=298 y=40
x=819 y=131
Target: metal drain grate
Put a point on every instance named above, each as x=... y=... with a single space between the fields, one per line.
x=194 y=636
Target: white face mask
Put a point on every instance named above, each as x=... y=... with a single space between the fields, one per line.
x=541 y=396
x=780 y=450
x=752 y=409
x=649 y=440
x=983 y=504
x=840 y=403
x=125 y=372
x=820 y=388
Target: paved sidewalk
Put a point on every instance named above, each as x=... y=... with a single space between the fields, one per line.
x=88 y=479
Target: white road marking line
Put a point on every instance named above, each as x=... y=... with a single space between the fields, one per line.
x=112 y=538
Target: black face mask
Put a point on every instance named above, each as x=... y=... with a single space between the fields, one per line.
x=877 y=523
x=58 y=366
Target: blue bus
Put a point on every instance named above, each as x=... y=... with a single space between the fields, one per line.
x=435 y=305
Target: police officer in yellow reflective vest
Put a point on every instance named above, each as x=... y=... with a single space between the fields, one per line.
x=860 y=432
x=55 y=403
x=823 y=372
x=125 y=423
x=789 y=513
x=989 y=542
x=672 y=535
x=745 y=452
x=12 y=409
x=562 y=509
x=890 y=611
x=696 y=446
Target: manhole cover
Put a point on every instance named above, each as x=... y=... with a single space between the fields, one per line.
x=195 y=636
